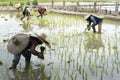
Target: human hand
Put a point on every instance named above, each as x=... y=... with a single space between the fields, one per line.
x=40 y=55
x=12 y=68
x=42 y=49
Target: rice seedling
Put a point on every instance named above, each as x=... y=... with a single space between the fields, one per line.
x=64 y=76
x=96 y=72
x=75 y=77
x=74 y=55
x=101 y=77
x=77 y=66
x=112 y=70
x=72 y=74
x=1 y=63
x=117 y=68
x=55 y=77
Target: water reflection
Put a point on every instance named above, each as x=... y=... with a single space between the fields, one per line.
x=18 y=14
x=93 y=41
x=30 y=74
x=43 y=23
x=26 y=26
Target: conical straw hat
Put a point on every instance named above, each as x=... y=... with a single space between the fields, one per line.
x=17 y=5
x=86 y=16
x=42 y=37
x=96 y=15
x=17 y=43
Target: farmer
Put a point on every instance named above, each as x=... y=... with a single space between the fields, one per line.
x=94 y=20
x=22 y=44
x=26 y=13
x=42 y=10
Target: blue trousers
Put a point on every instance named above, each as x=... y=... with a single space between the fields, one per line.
x=25 y=53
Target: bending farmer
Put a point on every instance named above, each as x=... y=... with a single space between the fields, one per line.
x=42 y=10
x=22 y=44
x=26 y=13
x=94 y=20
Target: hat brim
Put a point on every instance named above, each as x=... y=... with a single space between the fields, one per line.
x=17 y=5
x=86 y=16
x=15 y=49
x=43 y=40
x=96 y=15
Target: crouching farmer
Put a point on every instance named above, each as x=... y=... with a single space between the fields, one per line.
x=22 y=44
x=94 y=20
x=42 y=10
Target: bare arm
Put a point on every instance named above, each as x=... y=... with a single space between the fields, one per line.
x=32 y=49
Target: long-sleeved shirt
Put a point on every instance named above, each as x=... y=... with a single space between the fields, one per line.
x=33 y=42
x=30 y=49
x=93 y=21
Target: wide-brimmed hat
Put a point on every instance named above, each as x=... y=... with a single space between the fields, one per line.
x=86 y=16
x=18 y=43
x=42 y=37
x=17 y=5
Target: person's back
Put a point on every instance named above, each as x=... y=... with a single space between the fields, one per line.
x=26 y=13
x=41 y=10
x=33 y=40
x=94 y=20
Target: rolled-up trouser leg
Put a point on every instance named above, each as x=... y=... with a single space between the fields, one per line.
x=15 y=61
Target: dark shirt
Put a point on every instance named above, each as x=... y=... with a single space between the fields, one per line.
x=33 y=40
x=94 y=20
x=26 y=12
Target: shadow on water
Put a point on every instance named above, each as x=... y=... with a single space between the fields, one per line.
x=93 y=41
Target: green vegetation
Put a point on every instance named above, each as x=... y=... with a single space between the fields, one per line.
x=74 y=55
x=1 y=63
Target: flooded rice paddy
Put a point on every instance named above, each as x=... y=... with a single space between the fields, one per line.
x=75 y=54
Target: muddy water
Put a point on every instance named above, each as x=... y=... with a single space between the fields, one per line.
x=75 y=54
